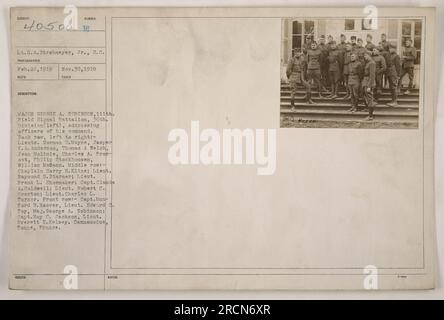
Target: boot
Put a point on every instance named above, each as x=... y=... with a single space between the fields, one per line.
x=353 y=108
x=329 y=92
x=370 y=111
x=309 y=98
x=335 y=92
x=347 y=93
x=407 y=91
x=394 y=102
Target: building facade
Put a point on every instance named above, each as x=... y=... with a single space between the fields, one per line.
x=295 y=31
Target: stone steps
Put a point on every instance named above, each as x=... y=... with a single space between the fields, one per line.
x=327 y=112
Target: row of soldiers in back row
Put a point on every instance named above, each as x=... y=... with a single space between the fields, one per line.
x=359 y=68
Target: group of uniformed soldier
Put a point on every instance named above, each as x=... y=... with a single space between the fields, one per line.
x=360 y=69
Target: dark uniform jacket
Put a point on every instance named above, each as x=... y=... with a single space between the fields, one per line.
x=369 y=74
x=381 y=66
x=386 y=55
x=395 y=65
x=346 y=61
x=334 y=60
x=383 y=44
x=360 y=51
x=370 y=46
x=296 y=67
x=355 y=72
x=409 y=56
x=324 y=55
x=341 y=46
x=314 y=59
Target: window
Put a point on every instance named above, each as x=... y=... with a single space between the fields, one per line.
x=417 y=40
x=297 y=35
x=301 y=29
x=412 y=30
x=349 y=25
x=309 y=27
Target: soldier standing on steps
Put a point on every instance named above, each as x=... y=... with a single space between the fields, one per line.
x=324 y=62
x=354 y=80
x=408 y=60
x=314 y=66
x=360 y=50
x=393 y=71
x=342 y=49
x=345 y=69
x=384 y=52
x=368 y=84
x=305 y=47
x=334 y=63
x=380 y=70
x=296 y=69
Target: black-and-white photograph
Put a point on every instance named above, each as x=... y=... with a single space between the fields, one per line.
x=350 y=73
